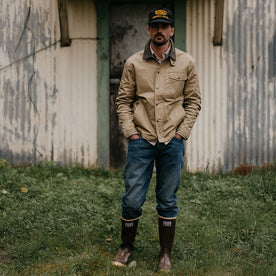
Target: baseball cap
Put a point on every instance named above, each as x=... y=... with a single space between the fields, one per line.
x=161 y=16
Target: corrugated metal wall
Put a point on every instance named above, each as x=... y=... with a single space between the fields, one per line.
x=237 y=124
x=48 y=99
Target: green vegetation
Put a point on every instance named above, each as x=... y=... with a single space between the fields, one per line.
x=60 y=221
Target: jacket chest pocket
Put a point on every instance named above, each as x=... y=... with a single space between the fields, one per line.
x=175 y=84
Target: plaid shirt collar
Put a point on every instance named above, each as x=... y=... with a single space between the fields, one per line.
x=148 y=52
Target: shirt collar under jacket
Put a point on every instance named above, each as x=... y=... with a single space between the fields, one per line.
x=148 y=54
x=164 y=55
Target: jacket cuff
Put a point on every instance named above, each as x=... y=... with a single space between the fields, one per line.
x=183 y=132
x=184 y=137
x=129 y=132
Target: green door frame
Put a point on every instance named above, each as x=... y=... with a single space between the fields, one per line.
x=103 y=71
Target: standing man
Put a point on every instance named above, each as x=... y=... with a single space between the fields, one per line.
x=157 y=104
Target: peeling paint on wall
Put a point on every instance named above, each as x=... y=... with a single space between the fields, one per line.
x=33 y=97
x=251 y=101
x=237 y=122
x=48 y=94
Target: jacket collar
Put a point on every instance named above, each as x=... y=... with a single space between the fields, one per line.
x=149 y=55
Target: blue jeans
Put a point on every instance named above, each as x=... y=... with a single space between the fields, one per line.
x=138 y=172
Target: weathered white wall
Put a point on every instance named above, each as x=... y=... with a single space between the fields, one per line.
x=48 y=99
x=205 y=148
x=237 y=124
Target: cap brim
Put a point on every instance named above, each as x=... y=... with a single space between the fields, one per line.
x=160 y=20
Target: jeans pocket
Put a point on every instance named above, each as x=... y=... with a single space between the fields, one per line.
x=178 y=139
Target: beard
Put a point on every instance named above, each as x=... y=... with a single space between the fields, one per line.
x=159 y=43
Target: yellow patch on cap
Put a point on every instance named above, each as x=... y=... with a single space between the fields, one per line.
x=160 y=13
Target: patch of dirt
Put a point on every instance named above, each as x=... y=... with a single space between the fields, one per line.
x=5 y=257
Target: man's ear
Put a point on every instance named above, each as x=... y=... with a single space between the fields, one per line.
x=172 y=31
x=148 y=29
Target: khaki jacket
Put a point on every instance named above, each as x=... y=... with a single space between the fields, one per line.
x=158 y=100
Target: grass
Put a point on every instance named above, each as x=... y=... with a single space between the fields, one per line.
x=67 y=222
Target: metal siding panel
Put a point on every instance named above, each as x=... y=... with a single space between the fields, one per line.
x=52 y=116
x=204 y=149
x=252 y=141
x=237 y=122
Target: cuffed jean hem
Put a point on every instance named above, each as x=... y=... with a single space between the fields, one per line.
x=169 y=218
x=129 y=220
x=167 y=214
